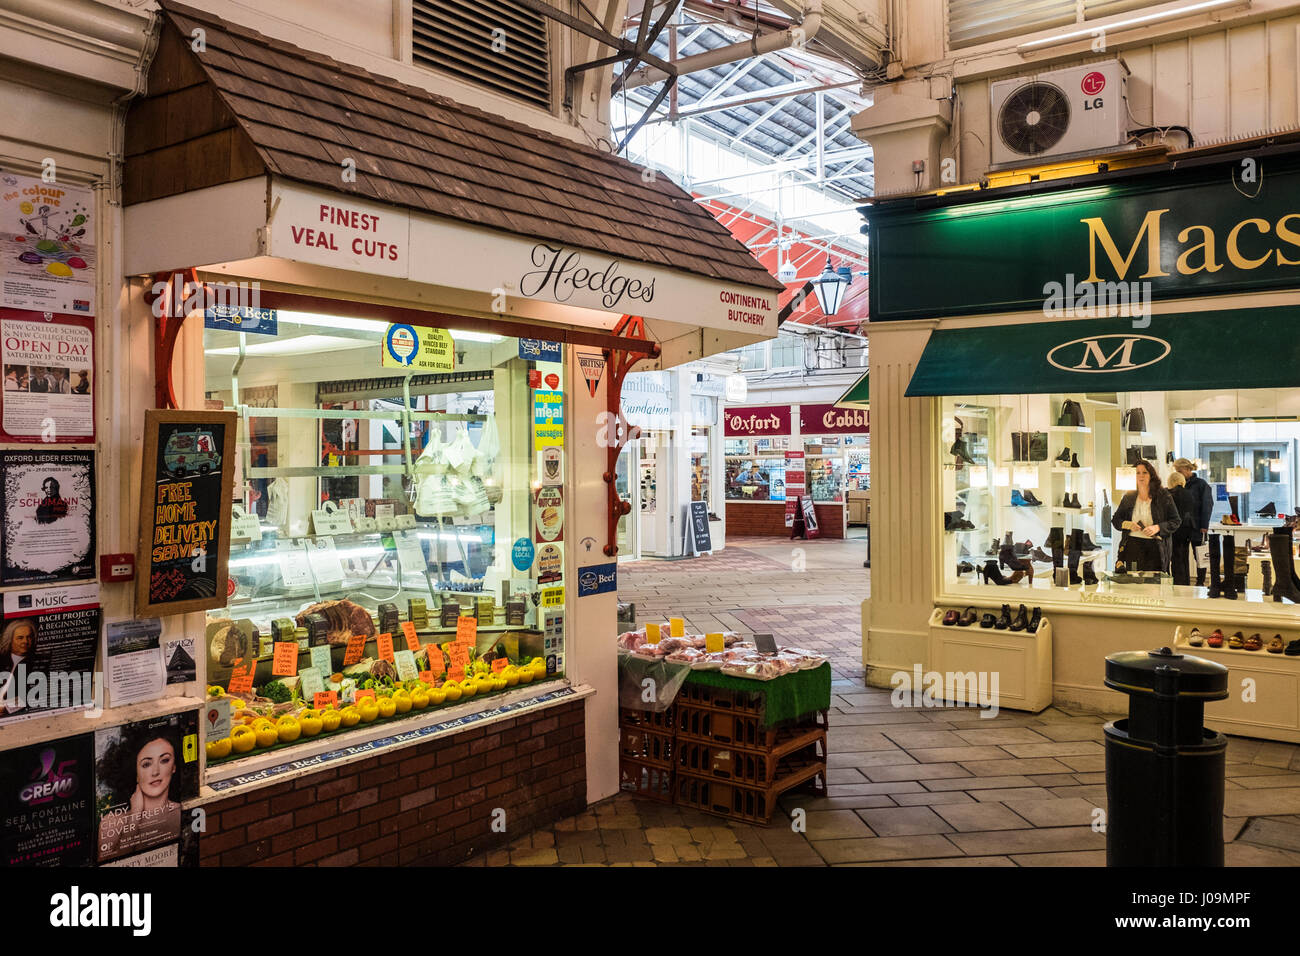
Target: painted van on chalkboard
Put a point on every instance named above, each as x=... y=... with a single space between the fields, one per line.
x=191 y=453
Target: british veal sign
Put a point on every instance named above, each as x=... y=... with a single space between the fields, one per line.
x=1175 y=234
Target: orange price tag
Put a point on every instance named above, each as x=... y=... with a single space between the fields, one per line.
x=427 y=676
x=356 y=648
x=325 y=698
x=385 y=643
x=456 y=674
x=412 y=641
x=362 y=694
x=436 y=664
x=466 y=629
x=241 y=677
x=285 y=663
x=500 y=664
x=460 y=656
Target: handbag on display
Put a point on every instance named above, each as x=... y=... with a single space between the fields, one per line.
x=1105 y=511
x=1135 y=454
x=1019 y=447
x=1135 y=420
x=1037 y=442
x=1071 y=414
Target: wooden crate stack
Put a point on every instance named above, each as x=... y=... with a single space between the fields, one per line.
x=728 y=763
x=647 y=749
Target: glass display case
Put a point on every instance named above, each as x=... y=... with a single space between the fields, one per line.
x=398 y=547
x=755 y=468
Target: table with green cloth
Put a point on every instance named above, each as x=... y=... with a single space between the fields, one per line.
x=788 y=697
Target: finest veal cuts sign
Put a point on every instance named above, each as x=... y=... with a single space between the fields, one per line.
x=188 y=471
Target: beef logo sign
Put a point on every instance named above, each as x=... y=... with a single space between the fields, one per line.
x=185 y=494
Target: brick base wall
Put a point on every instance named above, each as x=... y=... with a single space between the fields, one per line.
x=428 y=804
x=760 y=519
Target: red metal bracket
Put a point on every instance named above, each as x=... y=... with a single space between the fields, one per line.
x=620 y=363
x=169 y=315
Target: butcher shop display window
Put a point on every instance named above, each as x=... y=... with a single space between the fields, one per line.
x=398 y=547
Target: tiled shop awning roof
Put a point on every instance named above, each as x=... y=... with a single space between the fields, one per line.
x=305 y=113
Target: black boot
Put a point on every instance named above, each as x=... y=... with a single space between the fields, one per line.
x=1010 y=560
x=1228 y=564
x=1021 y=621
x=1232 y=503
x=1266 y=568
x=1055 y=539
x=1215 y=583
x=1268 y=511
x=1030 y=498
x=1064 y=456
x=1074 y=461
x=1034 y=620
x=1076 y=552
x=1088 y=544
x=1089 y=575
x=990 y=573
x=1279 y=545
x=961 y=452
x=1004 y=622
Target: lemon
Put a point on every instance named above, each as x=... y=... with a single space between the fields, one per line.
x=288 y=729
x=311 y=722
x=218 y=749
x=243 y=739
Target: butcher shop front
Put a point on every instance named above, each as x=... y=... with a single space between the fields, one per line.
x=410 y=655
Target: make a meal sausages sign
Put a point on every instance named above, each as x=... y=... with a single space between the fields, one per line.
x=188 y=471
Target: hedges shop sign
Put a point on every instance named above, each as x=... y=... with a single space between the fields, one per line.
x=756 y=421
x=342 y=232
x=829 y=420
x=1184 y=233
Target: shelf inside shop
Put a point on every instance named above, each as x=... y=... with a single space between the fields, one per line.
x=1072 y=511
x=1071 y=471
x=1071 y=429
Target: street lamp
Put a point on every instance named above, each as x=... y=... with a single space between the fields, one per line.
x=830 y=287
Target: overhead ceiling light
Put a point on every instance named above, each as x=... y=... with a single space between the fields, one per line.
x=298 y=345
x=1126 y=478
x=1238 y=481
x=1203 y=6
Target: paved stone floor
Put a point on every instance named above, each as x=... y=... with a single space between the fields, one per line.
x=907 y=786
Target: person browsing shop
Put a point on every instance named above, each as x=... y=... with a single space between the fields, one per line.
x=1148 y=518
x=1203 y=496
x=1179 y=565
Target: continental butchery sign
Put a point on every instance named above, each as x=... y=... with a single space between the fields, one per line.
x=756 y=421
x=829 y=420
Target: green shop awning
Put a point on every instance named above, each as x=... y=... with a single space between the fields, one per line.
x=1229 y=349
x=858 y=395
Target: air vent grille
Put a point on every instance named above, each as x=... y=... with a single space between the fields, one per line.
x=497 y=44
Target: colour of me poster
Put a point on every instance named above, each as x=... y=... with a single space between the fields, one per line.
x=143 y=772
x=46 y=803
x=47 y=525
x=47 y=651
x=47 y=245
x=48 y=366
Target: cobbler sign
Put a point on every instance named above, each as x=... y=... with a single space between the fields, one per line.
x=756 y=421
x=829 y=420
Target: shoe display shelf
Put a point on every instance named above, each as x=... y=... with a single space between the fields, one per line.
x=1264 y=689
x=1067 y=470
x=1022 y=660
x=1071 y=511
x=1069 y=429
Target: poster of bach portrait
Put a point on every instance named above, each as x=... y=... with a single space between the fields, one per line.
x=48 y=364
x=47 y=520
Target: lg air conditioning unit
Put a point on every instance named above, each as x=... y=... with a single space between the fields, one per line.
x=1059 y=115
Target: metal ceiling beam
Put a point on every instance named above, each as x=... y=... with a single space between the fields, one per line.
x=767 y=96
x=646 y=35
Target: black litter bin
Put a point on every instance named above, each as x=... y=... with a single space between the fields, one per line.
x=1164 y=770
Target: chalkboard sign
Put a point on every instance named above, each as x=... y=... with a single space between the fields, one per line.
x=697 y=528
x=185 y=489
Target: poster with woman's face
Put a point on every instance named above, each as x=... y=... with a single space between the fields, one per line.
x=47 y=526
x=143 y=771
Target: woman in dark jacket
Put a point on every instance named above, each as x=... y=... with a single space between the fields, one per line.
x=1185 y=538
x=1148 y=517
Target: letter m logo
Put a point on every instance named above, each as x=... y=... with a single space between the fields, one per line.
x=1092 y=351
